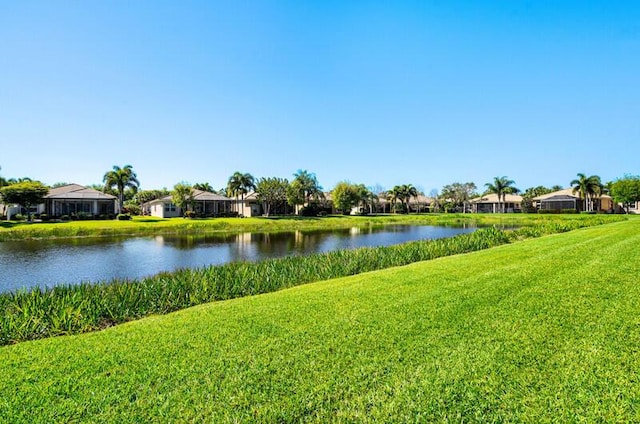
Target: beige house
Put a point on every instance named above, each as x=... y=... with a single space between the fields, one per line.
x=74 y=199
x=251 y=206
x=204 y=204
x=566 y=199
x=489 y=203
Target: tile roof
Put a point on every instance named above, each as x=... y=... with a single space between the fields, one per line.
x=76 y=191
x=493 y=198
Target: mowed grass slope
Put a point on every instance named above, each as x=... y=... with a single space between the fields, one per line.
x=542 y=330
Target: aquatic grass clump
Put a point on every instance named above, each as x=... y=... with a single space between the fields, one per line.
x=69 y=309
x=145 y=226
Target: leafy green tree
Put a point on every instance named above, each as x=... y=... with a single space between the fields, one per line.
x=501 y=186
x=458 y=194
x=588 y=188
x=182 y=197
x=272 y=192
x=131 y=207
x=144 y=196
x=345 y=196
x=626 y=190
x=121 y=178
x=295 y=194
x=26 y=194
x=240 y=184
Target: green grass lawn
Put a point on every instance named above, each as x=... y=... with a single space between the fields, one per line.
x=14 y=230
x=542 y=330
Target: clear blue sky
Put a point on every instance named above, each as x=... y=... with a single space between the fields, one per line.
x=424 y=92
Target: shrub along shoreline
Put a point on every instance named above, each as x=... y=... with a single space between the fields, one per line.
x=72 y=309
x=148 y=226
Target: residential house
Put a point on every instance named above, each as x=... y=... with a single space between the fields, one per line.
x=204 y=204
x=489 y=203
x=250 y=206
x=74 y=199
x=568 y=199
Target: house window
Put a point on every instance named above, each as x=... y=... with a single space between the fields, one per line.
x=169 y=207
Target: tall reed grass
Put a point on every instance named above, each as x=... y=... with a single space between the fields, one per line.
x=69 y=309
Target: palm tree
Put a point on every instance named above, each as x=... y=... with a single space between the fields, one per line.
x=240 y=184
x=308 y=185
x=203 y=187
x=121 y=178
x=588 y=188
x=403 y=193
x=501 y=186
x=409 y=191
x=394 y=195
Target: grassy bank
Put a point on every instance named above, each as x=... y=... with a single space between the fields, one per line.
x=88 y=307
x=141 y=226
x=537 y=331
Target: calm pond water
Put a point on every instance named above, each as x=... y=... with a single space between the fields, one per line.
x=25 y=264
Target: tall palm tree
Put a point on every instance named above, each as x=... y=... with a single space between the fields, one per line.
x=308 y=185
x=501 y=186
x=240 y=184
x=121 y=178
x=409 y=191
x=588 y=188
x=394 y=195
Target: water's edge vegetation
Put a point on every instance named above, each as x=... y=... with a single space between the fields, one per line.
x=71 y=309
x=147 y=226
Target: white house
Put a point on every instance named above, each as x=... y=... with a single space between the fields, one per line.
x=204 y=204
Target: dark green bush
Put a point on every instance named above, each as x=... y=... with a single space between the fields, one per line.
x=124 y=217
x=190 y=214
x=83 y=216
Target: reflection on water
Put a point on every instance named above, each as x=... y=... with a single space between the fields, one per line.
x=49 y=262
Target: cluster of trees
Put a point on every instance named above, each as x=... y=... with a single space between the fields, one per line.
x=305 y=192
x=347 y=196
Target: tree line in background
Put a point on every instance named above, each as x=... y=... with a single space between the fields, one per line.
x=305 y=196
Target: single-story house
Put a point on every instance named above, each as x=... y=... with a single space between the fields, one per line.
x=566 y=199
x=251 y=206
x=489 y=203
x=204 y=204
x=72 y=199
